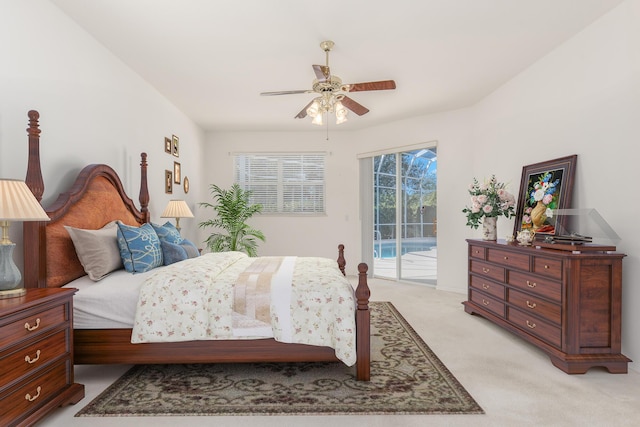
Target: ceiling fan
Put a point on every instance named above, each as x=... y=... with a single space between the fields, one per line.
x=332 y=92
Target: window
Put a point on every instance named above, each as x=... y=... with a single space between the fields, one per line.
x=291 y=183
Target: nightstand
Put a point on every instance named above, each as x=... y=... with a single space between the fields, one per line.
x=36 y=355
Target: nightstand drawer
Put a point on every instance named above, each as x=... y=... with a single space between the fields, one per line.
x=29 y=396
x=548 y=267
x=32 y=324
x=476 y=252
x=532 y=304
x=28 y=359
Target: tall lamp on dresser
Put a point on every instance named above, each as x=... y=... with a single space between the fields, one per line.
x=17 y=203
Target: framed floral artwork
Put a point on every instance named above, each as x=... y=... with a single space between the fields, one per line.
x=544 y=187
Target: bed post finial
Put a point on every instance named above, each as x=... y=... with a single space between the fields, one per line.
x=144 y=190
x=341 y=261
x=34 y=173
x=363 y=321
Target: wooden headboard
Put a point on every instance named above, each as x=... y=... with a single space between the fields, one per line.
x=95 y=198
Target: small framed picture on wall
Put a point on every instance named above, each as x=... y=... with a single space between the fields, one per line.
x=168 y=145
x=168 y=181
x=176 y=172
x=175 y=142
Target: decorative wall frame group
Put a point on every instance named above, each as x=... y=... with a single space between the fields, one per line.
x=545 y=187
x=172 y=147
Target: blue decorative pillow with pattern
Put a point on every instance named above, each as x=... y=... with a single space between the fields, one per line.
x=140 y=248
x=168 y=233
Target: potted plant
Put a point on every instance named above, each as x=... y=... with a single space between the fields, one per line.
x=232 y=209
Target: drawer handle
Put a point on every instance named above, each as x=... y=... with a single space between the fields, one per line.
x=34 y=327
x=30 y=360
x=531 y=325
x=531 y=284
x=506 y=258
x=531 y=305
x=485 y=302
x=485 y=270
x=485 y=286
x=546 y=266
x=31 y=399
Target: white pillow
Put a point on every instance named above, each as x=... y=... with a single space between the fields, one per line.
x=97 y=250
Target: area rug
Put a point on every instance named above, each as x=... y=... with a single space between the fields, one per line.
x=406 y=378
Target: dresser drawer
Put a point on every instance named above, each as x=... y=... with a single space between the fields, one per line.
x=488 y=270
x=532 y=304
x=27 y=359
x=548 y=267
x=476 y=252
x=536 y=285
x=535 y=326
x=487 y=302
x=508 y=259
x=32 y=324
x=31 y=395
x=488 y=286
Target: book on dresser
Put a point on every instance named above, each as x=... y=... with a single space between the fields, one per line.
x=36 y=353
x=567 y=303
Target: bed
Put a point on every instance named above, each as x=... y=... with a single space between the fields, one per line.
x=96 y=198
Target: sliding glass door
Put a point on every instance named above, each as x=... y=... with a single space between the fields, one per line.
x=404 y=215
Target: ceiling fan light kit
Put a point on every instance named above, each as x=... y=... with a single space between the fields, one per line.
x=332 y=98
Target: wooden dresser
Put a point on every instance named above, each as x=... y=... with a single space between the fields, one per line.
x=566 y=303
x=36 y=355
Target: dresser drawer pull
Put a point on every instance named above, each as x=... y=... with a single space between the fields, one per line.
x=31 y=399
x=546 y=267
x=28 y=327
x=531 y=305
x=485 y=270
x=531 y=325
x=477 y=252
x=485 y=302
x=485 y=286
x=506 y=258
x=30 y=360
x=531 y=284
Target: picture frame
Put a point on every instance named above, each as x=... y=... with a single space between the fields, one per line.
x=175 y=143
x=168 y=145
x=168 y=182
x=185 y=182
x=544 y=187
x=176 y=172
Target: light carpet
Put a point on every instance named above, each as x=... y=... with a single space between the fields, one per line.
x=406 y=378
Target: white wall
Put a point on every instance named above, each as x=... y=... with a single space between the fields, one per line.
x=93 y=109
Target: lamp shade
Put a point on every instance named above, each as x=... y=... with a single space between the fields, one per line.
x=17 y=202
x=177 y=209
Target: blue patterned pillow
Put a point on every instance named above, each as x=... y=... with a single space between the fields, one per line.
x=167 y=233
x=139 y=248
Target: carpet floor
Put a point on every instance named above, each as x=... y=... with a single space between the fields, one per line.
x=406 y=378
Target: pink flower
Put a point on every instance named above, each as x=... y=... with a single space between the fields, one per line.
x=487 y=209
x=547 y=199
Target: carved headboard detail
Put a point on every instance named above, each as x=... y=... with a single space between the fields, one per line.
x=96 y=198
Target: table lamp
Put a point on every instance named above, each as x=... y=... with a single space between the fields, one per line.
x=177 y=209
x=17 y=203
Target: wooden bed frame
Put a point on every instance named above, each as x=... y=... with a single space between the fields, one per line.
x=57 y=264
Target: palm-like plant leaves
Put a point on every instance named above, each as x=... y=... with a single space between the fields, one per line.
x=233 y=209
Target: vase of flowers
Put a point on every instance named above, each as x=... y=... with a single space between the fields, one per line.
x=489 y=201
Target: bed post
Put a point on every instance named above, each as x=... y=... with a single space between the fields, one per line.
x=33 y=232
x=363 y=326
x=341 y=261
x=144 y=190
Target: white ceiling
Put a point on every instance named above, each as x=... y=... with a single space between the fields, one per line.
x=212 y=58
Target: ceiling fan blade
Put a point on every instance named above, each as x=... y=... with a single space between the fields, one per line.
x=360 y=87
x=302 y=114
x=322 y=72
x=285 y=92
x=354 y=106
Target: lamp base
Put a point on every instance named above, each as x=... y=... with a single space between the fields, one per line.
x=13 y=293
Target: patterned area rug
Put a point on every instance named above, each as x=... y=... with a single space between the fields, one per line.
x=406 y=378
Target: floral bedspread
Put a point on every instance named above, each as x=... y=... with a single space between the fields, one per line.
x=194 y=300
